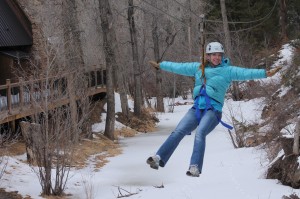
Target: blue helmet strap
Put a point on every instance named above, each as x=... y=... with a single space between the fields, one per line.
x=201 y=113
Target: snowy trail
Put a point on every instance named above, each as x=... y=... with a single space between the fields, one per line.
x=227 y=172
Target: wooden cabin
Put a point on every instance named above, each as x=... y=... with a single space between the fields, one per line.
x=17 y=94
x=15 y=39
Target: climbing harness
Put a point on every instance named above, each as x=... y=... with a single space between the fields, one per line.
x=200 y=114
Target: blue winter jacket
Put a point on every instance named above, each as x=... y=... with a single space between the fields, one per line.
x=218 y=78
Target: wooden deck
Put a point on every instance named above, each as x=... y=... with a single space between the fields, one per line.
x=21 y=99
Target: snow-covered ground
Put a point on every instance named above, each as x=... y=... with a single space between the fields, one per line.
x=228 y=173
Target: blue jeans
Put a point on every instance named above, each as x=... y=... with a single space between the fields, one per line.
x=187 y=124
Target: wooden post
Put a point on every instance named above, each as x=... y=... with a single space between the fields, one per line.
x=8 y=93
x=89 y=78
x=102 y=78
x=21 y=94
x=42 y=89
x=12 y=125
x=50 y=83
x=96 y=80
x=31 y=90
x=60 y=87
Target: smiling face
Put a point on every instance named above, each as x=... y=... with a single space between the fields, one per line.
x=214 y=58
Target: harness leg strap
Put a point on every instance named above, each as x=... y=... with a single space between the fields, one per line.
x=202 y=92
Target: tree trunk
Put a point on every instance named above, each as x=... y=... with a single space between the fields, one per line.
x=283 y=20
x=73 y=49
x=228 y=46
x=119 y=74
x=124 y=99
x=138 y=102
x=106 y=18
x=73 y=105
x=159 y=96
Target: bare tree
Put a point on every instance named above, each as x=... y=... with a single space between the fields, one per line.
x=138 y=101
x=169 y=42
x=228 y=45
x=59 y=99
x=108 y=36
x=119 y=73
x=122 y=90
x=283 y=19
x=6 y=138
x=58 y=95
x=237 y=135
x=3 y=165
x=72 y=50
x=155 y=37
x=161 y=42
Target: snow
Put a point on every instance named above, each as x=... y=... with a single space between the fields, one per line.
x=284 y=91
x=244 y=111
x=285 y=59
x=289 y=130
x=285 y=55
x=227 y=172
x=99 y=127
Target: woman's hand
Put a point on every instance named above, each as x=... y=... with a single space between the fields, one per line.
x=272 y=72
x=154 y=64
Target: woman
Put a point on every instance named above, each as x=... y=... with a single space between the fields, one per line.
x=209 y=93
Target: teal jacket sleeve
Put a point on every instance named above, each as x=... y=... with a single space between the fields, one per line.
x=187 y=69
x=242 y=74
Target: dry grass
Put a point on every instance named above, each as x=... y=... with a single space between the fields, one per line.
x=13 y=149
x=145 y=123
x=100 y=147
x=125 y=132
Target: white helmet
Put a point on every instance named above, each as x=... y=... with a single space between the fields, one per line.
x=214 y=47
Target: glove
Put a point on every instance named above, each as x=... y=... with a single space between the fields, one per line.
x=272 y=72
x=154 y=64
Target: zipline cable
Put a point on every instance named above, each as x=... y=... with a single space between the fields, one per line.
x=165 y=12
x=216 y=21
x=230 y=22
x=188 y=9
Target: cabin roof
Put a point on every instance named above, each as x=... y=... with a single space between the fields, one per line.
x=15 y=28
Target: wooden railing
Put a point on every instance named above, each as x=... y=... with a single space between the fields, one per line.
x=18 y=99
